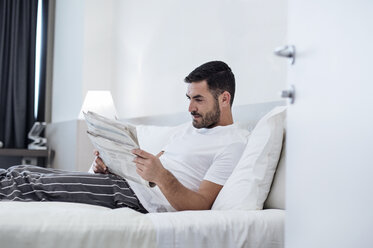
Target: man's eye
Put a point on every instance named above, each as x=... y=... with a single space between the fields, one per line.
x=198 y=100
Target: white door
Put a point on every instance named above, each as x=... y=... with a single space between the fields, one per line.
x=330 y=126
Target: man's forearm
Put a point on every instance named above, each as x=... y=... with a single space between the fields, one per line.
x=180 y=197
x=151 y=169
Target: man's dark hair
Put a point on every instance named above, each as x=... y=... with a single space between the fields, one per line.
x=218 y=75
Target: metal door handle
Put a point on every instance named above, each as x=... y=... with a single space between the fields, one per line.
x=287 y=52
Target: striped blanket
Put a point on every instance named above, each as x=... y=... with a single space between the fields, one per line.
x=33 y=183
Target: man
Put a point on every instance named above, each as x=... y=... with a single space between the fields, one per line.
x=210 y=91
x=189 y=172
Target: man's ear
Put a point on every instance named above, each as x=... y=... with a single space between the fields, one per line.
x=225 y=99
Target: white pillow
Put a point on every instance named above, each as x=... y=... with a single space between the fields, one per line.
x=248 y=186
x=153 y=138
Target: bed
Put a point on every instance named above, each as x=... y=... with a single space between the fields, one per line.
x=56 y=224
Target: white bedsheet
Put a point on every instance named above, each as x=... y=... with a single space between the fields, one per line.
x=263 y=228
x=57 y=224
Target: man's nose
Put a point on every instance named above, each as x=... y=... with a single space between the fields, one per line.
x=192 y=107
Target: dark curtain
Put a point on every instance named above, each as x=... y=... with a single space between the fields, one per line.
x=18 y=20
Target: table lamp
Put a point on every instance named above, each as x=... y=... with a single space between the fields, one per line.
x=100 y=102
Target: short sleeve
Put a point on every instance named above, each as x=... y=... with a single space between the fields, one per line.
x=224 y=163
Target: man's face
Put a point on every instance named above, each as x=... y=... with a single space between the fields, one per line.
x=203 y=106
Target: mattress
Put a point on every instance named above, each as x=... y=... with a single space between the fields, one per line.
x=57 y=224
x=261 y=228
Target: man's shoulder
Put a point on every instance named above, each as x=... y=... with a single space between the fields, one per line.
x=236 y=133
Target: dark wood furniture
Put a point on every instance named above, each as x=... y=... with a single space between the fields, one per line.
x=10 y=157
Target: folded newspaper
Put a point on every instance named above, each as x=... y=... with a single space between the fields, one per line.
x=114 y=141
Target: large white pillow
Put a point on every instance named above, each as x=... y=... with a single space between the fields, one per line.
x=248 y=186
x=153 y=138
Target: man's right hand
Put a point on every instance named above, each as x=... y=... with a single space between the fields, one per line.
x=99 y=166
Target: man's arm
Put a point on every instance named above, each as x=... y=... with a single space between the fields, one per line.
x=181 y=198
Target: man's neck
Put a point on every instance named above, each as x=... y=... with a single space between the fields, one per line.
x=226 y=120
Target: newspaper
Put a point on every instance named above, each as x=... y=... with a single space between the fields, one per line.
x=114 y=141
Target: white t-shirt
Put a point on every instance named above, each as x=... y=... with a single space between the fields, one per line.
x=194 y=155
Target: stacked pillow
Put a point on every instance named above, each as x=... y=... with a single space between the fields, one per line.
x=248 y=186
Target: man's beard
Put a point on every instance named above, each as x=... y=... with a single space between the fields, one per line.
x=209 y=119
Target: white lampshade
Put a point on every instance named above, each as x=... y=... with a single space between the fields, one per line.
x=100 y=102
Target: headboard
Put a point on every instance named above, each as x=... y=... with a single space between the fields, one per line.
x=248 y=114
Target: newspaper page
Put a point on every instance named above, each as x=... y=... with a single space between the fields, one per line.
x=114 y=141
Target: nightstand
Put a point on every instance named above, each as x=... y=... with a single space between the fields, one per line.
x=10 y=157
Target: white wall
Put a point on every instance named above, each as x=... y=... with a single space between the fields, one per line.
x=68 y=59
x=157 y=45
x=83 y=54
x=142 y=50
x=99 y=58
